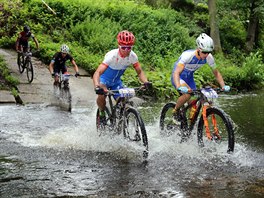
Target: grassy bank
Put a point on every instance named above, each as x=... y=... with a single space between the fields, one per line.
x=90 y=27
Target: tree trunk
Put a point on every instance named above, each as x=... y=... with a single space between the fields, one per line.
x=214 y=29
x=252 y=28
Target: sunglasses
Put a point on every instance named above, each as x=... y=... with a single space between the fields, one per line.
x=206 y=52
x=126 y=47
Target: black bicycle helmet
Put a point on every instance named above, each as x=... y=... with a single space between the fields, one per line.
x=26 y=29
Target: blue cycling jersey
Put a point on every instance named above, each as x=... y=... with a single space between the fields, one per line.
x=191 y=62
x=116 y=66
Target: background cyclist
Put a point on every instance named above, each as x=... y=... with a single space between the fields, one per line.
x=58 y=61
x=189 y=61
x=22 y=42
x=109 y=72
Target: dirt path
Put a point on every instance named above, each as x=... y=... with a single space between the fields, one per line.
x=41 y=89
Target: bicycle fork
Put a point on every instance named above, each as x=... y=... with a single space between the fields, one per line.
x=206 y=125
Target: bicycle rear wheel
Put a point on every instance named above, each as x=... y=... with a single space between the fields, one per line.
x=20 y=62
x=168 y=124
x=221 y=131
x=30 y=72
x=134 y=129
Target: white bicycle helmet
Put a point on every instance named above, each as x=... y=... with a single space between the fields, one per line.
x=205 y=43
x=65 y=49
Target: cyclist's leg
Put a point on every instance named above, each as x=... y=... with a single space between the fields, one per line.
x=64 y=70
x=56 y=71
x=20 y=58
x=101 y=101
x=24 y=46
x=184 y=97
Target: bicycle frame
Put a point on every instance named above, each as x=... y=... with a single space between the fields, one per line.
x=64 y=79
x=122 y=103
x=202 y=103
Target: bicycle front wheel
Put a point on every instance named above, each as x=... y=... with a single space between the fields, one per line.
x=66 y=97
x=30 y=72
x=134 y=129
x=220 y=127
x=103 y=123
x=20 y=63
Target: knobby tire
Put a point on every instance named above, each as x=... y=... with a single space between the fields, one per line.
x=226 y=129
x=66 y=97
x=20 y=63
x=30 y=71
x=167 y=122
x=140 y=133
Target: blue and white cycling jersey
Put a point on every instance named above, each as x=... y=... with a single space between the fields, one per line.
x=191 y=61
x=116 y=66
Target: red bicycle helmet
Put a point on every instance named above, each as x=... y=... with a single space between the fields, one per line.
x=126 y=38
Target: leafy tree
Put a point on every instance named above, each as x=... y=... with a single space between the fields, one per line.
x=256 y=9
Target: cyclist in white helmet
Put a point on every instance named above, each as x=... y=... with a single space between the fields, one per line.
x=189 y=61
x=57 y=63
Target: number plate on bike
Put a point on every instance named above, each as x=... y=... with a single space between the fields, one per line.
x=127 y=92
x=209 y=93
x=66 y=77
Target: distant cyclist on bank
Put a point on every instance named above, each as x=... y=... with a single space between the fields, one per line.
x=58 y=61
x=109 y=72
x=189 y=61
x=22 y=42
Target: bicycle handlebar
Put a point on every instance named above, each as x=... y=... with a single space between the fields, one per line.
x=30 y=53
x=198 y=91
x=126 y=91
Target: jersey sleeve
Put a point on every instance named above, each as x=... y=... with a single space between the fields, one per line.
x=69 y=57
x=54 y=57
x=133 y=58
x=211 y=62
x=108 y=58
x=184 y=59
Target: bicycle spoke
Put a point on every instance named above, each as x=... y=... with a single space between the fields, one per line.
x=168 y=122
x=20 y=63
x=220 y=128
x=135 y=129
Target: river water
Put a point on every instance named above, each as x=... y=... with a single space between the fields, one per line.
x=48 y=152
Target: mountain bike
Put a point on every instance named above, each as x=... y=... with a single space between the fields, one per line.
x=214 y=125
x=62 y=89
x=24 y=62
x=123 y=119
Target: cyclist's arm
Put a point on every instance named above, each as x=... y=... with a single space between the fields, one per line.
x=75 y=65
x=140 y=72
x=36 y=42
x=51 y=66
x=176 y=74
x=99 y=71
x=219 y=77
x=17 y=42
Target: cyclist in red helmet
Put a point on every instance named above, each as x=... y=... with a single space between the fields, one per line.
x=109 y=72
